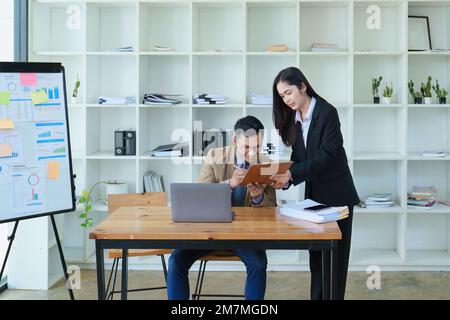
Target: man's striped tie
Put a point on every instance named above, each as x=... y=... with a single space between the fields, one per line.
x=239 y=192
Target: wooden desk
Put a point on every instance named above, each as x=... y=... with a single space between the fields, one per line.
x=252 y=228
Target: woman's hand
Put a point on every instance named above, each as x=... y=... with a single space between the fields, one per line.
x=280 y=180
x=256 y=189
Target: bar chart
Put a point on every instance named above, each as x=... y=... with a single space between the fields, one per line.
x=15 y=141
x=50 y=140
x=52 y=93
x=18 y=110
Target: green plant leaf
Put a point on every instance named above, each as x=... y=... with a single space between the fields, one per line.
x=83 y=216
x=82 y=200
x=88 y=208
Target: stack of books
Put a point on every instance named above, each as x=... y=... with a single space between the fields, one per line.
x=324 y=47
x=378 y=200
x=159 y=98
x=422 y=197
x=204 y=98
x=116 y=100
x=297 y=210
x=277 y=48
x=438 y=154
x=122 y=49
x=259 y=99
x=153 y=182
x=168 y=150
x=163 y=49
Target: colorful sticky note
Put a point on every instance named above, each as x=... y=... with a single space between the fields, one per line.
x=39 y=97
x=53 y=170
x=28 y=79
x=6 y=150
x=6 y=124
x=5 y=96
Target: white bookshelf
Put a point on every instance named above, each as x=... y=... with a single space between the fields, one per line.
x=220 y=48
x=34 y=261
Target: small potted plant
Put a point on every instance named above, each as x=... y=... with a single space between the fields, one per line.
x=425 y=89
x=86 y=200
x=112 y=187
x=415 y=94
x=441 y=93
x=387 y=94
x=375 y=85
x=74 y=99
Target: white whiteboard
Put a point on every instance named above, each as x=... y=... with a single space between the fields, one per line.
x=35 y=164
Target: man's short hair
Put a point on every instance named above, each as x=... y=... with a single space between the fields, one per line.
x=248 y=126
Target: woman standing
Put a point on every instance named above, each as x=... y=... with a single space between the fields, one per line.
x=311 y=126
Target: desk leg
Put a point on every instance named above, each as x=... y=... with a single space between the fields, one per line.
x=124 y=290
x=326 y=273
x=100 y=269
x=334 y=271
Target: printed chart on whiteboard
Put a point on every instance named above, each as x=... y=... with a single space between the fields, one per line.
x=34 y=155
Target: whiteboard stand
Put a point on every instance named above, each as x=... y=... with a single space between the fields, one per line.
x=61 y=254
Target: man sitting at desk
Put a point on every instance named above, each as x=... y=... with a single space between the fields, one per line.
x=229 y=165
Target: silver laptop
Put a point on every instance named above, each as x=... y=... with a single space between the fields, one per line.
x=201 y=202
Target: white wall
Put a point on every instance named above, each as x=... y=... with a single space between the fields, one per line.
x=6 y=54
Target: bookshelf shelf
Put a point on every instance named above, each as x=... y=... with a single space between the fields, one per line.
x=377 y=156
x=439 y=208
x=395 y=209
x=271 y=23
x=419 y=157
x=360 y=257
x=107 y=155
x=370 y=248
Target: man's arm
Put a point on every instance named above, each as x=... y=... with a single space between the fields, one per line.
x=207 y=172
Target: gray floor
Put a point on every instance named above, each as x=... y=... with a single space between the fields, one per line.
x=280 y=286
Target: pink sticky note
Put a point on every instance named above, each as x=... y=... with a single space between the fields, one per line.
x=28 y=79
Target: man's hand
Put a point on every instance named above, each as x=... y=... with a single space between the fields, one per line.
x=238 y=176
x=280 y=180
x=256 y=189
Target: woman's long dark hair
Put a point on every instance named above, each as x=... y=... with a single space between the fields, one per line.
x=283 y=116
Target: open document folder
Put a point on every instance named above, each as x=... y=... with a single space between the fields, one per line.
x=296 y=210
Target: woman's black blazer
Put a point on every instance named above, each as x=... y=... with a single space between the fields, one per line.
x=323 y=164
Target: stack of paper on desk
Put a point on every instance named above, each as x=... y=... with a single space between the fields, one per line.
x=296 y=210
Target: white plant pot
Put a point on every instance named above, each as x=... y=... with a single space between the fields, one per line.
x=73 y=100
x=387 y=100
x=428 y=100
x=116 y=187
